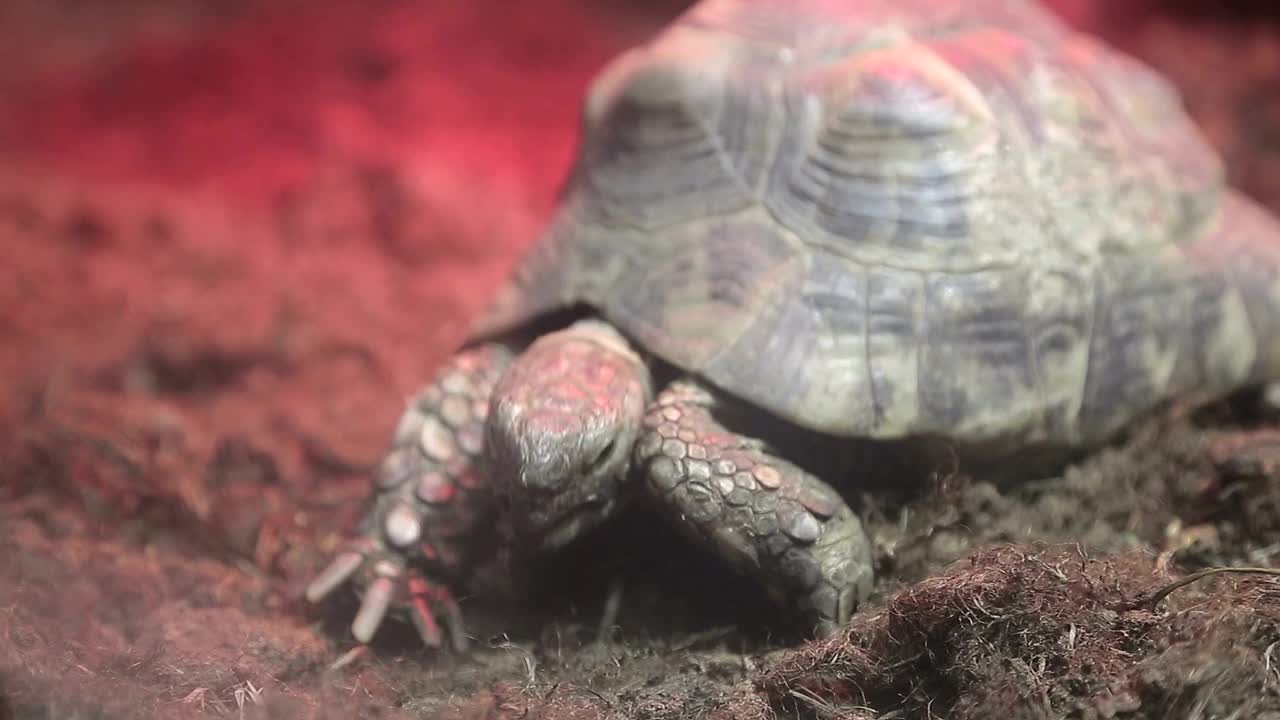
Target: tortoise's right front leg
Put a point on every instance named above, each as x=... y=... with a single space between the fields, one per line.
x=432 y=510
x=763 y=514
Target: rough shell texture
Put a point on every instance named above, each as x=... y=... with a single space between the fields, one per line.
x=897 y=218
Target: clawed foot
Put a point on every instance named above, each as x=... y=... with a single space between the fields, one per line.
x=432 y=509
x=386 y=579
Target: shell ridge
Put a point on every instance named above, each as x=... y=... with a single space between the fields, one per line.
x=1029 y=358
x=877 y=413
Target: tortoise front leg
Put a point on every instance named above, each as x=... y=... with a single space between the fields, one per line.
x=432 y=510
x=760 y=512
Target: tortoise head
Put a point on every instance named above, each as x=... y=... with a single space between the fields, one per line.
x=561 y=426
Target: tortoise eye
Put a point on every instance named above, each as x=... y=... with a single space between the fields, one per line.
x=603 y=456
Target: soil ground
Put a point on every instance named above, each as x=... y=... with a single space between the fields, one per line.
x=233 y=236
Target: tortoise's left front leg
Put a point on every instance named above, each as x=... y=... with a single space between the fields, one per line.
x=431 y=516
x=760 y=512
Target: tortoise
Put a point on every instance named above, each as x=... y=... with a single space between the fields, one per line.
x=837 y=220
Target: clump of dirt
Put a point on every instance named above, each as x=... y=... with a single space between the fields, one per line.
x=1046 y=633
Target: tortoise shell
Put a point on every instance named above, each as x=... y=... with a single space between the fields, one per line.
x=894 y=218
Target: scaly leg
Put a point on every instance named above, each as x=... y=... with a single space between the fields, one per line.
x=762 y=513
x=431 y=506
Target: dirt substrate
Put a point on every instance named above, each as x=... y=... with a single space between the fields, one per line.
x=233 y=236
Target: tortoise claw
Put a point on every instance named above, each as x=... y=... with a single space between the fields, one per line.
x=373 y=609
x=428 y=599
x=425 y=623
x=333 y=576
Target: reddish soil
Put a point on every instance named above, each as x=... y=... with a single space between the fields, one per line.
x=234 y=235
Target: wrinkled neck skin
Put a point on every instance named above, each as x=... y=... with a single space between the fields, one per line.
x=561 y=426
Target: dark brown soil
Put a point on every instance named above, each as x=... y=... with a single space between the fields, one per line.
x=234 y=235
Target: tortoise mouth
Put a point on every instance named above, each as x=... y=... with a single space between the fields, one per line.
x=556 y=531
